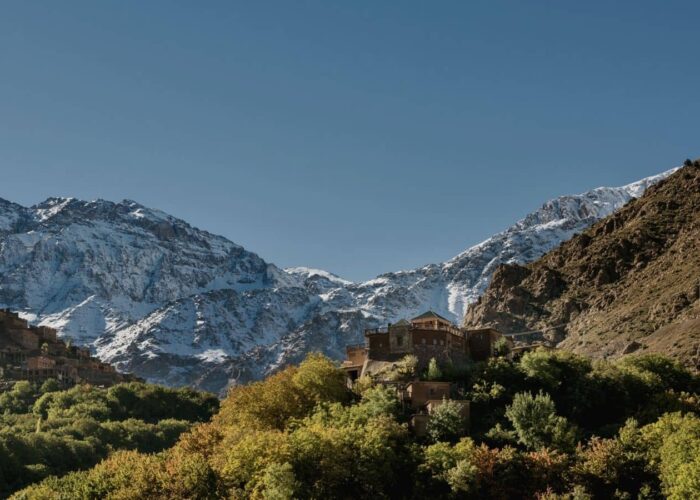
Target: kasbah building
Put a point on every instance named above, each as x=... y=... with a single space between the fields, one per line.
x=427 y=336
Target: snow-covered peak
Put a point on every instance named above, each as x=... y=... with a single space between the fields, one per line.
x=636 y=189
x=593 y=204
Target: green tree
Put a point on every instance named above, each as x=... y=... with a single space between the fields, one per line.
x=50 y=385
x=434 y=372
x=407 y=366
x=18 y=399
x=318 y=379
x=501 y=347
x=378 y=401
x=536 y=423
x=674 y=447
x=279 y=482
x=446 y=422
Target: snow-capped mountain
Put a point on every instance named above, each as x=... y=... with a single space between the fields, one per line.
x=181 y=306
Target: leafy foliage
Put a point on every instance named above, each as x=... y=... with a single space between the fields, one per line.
x=551 y=425
x=434 y=372
x=46 y=431
x=536 y=423
x=446 y=422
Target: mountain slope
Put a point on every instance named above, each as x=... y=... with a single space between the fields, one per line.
x=178 y=305
x=90 y=267
x=630 y=282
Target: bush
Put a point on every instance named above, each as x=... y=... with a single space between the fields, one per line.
x=501 y=347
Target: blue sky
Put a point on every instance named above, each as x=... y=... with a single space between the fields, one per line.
x=359 y=137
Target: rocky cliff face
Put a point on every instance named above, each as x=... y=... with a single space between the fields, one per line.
x=629 y=283
x=178 y=305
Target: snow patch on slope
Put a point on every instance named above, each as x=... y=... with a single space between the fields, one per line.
x=308 y=272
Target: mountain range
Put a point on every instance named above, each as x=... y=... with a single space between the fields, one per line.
x=180 y=306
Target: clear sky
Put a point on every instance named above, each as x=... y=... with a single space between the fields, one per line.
x=355 y=136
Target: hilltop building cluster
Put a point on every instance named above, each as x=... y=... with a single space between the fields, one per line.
x=35 y=353
x=427 y=337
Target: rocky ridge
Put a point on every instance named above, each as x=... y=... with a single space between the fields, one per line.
x=629 y=283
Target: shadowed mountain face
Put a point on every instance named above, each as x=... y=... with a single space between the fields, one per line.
x=629 y=283
x=177 y=305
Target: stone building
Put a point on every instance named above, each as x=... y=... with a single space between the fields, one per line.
x=482 y=342
x=419 y=392
x=426 y=336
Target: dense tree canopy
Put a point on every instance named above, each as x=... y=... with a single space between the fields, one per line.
x=550 y=425
x=46 y=431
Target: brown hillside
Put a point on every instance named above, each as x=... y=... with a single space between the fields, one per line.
x=630 y=283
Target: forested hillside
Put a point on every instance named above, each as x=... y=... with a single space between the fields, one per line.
x=45 y=431
x=551 y=425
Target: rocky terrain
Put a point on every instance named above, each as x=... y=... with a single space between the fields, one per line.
x=175 y=304
x=629 y=283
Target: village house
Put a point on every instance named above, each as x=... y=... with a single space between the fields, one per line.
x=418 y=393
x=35 y=353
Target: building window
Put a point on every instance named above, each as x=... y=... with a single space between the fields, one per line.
x=399 y=340
x=422 y=341
x=434 y=341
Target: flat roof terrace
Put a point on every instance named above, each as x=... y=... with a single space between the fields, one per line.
x=422 y=326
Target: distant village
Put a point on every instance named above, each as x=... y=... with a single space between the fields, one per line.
x=36 y=354
x=428 y=338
